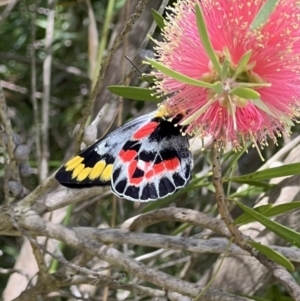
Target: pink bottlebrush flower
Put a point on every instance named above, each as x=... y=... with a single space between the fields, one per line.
x=272 y=70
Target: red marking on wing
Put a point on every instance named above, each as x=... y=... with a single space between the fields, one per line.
x=167 y=165
x=159 y=168
x=151 y=171
x=145 y=130
x=172 y=164
x=131 y=169
x=136 y=181
x=127 y=156
x=149 y=174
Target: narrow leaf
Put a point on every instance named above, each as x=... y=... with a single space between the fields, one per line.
x=249 y=192
x=261 y=105
x=247 y=218
x=225 y=68
x=206 y=43
x=281 y=171
x=282 y=208
x=136 y=93
x=263 y=14
x=268 y=211
x=273 y=255
x=92 y=40
x=242 y=63
x=179 y=76
x=282 y=231
x=246 y=93
x=158 y=18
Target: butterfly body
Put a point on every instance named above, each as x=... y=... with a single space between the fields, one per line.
x=146 y=159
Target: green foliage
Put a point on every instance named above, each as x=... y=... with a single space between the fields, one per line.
x=137 y=93
x=158 y=19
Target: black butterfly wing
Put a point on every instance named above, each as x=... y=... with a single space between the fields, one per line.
x=154 y=163
x=94 y=165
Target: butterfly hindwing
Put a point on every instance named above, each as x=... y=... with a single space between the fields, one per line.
x=94 y=165
x=154 y=163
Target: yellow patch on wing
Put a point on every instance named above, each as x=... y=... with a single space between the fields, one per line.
x=107 y=172
x=71 y=164
x=84 y=174
x=77 y=170
x=97 y=170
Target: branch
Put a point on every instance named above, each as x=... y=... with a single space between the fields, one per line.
x=35 y=107
x=40 y=227
x=46 y=91
x=23 y=59
x=11 y=167
x=7 y=10
x=176 y=214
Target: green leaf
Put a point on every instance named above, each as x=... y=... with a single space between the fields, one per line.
x=263 y=14
x=231 y=158
x=136 y=93
x=242 y=63
x=281 y=171
x=225 y=68
x=261 y=105
x=273 y=255
x=255 y=298
x=282 y=208
x=248 y=192
x=158 y=18
x=268 y=211
x=180 y=229
x=247 y=218
x=179 y=76
x=282 y=231
x=147 y=78
x=206 y=43
x=265 y=186
x=246 y=93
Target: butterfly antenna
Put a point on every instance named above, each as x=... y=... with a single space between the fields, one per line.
x=136 y=68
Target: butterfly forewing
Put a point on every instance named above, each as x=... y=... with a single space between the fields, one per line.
x=94 y=165
x=153 y=164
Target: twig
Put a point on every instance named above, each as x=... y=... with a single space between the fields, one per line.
x=221 y=199
x=176 y=214
x=11 y=271
x=127 y=28
x=60 y=259
x=25 y=91
x=33 y=89
x=46 y=90
x=142 y=290
x=212 y=245
x=68 y=69
x=31 y=198
x=92 y=39
x=8 y=9
x=11 y=167
x=39 y=256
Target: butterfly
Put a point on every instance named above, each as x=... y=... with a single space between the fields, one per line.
x=144 y=160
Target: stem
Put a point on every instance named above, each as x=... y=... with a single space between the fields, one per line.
x=221 y=198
